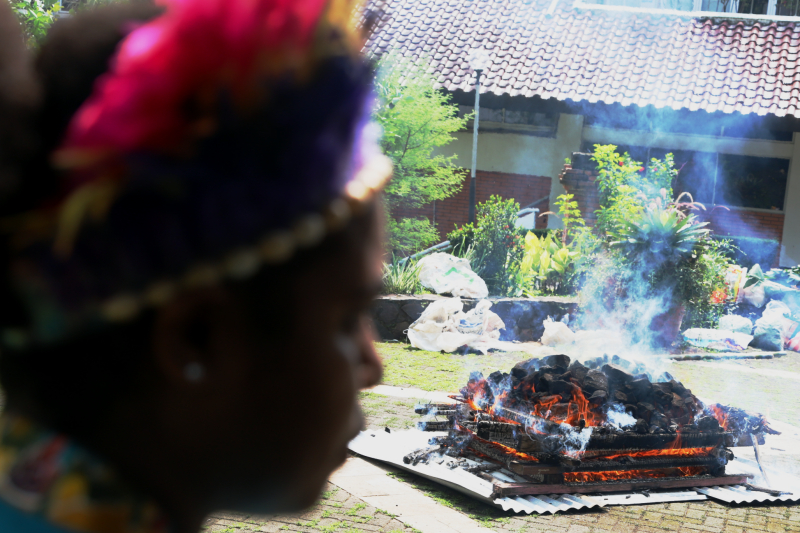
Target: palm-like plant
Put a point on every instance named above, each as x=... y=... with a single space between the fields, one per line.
x=659 y=234
x=548 y=265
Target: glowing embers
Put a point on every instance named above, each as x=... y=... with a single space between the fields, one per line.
x=617 y=475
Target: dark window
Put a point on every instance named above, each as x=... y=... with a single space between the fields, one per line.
x=747 y=181
x=493 y=118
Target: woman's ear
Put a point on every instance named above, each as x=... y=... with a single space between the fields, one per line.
x=197 y=337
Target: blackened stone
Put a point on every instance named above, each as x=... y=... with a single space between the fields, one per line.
x=641 y=427
x=563 y=388
x=560 y=410
x=578 y=371
x=678 y=388
x=616 y=374
x=677 y=401
x=659 y=419
x=665 y=376
x=547 y=369
x=620 y=396
x=520 y=370
x=558 y=361
x=708 y=423
x=595 y=381
x=496 y=377
x=544 y=382
x=645 y=410
x=598 y=397
x=662 y=392
x=641 y=387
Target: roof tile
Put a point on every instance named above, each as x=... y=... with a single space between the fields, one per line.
x=594 y=55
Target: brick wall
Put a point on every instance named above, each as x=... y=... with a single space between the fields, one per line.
x=455 y=210
x=744 y=223
x=579 y=179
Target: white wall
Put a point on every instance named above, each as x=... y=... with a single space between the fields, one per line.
x=790 y=243
x=523 y=154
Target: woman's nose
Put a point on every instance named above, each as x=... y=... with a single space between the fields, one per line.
x=371 y=368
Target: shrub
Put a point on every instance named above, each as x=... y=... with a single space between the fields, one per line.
x=495 y=244
x=402 y=277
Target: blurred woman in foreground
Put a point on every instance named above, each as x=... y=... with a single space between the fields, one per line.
x=190 y=243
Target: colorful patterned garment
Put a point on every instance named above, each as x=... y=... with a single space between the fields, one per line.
x=50 y=485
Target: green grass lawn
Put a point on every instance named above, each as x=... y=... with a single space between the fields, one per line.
x=405 y=366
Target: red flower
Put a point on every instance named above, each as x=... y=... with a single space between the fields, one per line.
x=641 y=169
x=718 y=296
x=621 y=163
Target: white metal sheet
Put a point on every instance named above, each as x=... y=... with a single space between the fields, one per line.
x=740 y=494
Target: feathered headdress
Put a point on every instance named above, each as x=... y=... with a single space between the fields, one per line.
x=224 y=135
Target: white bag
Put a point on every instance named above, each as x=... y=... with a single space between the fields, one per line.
x=556 y=333
x=724 y=341
x=444 y=273
x=736 y=323
x=443 y=326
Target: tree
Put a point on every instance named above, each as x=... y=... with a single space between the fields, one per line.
x=416 y=119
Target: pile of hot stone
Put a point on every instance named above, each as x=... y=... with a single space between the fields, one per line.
x=555 y=389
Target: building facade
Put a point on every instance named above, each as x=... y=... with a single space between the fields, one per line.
x=720 y=92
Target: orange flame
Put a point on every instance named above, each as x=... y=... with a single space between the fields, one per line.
x=720 y=415
x=614 y=475
x=504 y=449
x=668 y=452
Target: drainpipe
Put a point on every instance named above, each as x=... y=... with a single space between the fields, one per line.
x=475 y=145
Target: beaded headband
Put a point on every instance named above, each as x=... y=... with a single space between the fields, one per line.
x=275 y=152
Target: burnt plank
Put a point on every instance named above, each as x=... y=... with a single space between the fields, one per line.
x=514 y=489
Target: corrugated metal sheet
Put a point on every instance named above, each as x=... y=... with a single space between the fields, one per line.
x=544 y=504
x=740 y=494
x=391 y=447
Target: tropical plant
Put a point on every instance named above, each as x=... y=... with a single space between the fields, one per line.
x=35 y=17
x=416 y=119
x=547 y=267
x=402 y=277
x=658 y=236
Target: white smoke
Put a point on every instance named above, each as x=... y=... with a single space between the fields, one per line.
x=618 y=418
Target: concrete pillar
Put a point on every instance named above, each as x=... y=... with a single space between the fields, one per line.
x=790 y=241
x=568 y=140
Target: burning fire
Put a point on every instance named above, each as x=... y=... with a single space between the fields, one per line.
x=505 y=449
x=720 y=415
x=615 y=475
x=666 y=452
x=578 y=412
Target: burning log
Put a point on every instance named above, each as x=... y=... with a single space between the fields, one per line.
x=436 y=408
x=434 y=425
x=421 y=455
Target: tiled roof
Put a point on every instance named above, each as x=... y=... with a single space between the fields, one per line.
x=594 y=55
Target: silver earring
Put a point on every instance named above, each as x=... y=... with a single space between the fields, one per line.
x=194 y=372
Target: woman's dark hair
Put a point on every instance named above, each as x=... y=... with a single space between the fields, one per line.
x=72 y=385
